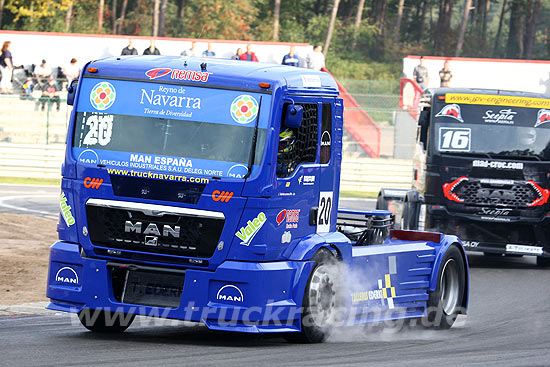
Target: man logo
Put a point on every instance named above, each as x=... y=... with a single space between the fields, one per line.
x=66 y=275
x=223 y=196
x=93 y=183
x=230 y=293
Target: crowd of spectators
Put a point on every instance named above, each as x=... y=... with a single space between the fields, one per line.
x=50 y=81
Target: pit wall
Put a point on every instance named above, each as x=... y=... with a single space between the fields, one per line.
x=506 y=74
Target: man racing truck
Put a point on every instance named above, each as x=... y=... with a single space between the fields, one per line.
x=206 y=190
x=481 y=171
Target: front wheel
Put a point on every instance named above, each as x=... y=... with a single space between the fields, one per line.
x=445 y=302
x=320 y=300
x=105 y=321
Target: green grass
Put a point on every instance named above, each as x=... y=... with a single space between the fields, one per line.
x=30 y=181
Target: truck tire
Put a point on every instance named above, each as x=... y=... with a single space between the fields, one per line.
x=320 y=300
x=445 y=302
x=543 y=262
x=105 y=321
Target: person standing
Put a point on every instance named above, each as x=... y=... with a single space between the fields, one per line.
x=191 y=51
x=238 y=54
x=420 y=74
x=290 y=59
x=316 y=60
x=6 y=66
x=151 y=50
x=445 y=75
x=208 y=52
x=130 y=49
x=71 y=71
x=249 y=55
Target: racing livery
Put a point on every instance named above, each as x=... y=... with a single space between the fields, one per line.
x=481 y=171
x=207 y=190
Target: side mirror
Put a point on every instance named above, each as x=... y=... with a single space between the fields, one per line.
x=71 y=92
x=424 y=122
x=293 y=116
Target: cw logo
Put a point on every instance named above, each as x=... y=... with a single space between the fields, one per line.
x=93 y=183
x=223 y=196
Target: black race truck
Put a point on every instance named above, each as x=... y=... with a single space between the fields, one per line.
x=481 y=170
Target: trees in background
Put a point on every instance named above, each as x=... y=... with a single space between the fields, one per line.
x=379 y=30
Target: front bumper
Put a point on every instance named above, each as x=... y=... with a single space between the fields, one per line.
x=268 y=295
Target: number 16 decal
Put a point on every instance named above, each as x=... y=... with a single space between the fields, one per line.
x=325 y=209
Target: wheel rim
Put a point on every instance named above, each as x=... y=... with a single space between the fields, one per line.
x=322 y=296
x=449 y=287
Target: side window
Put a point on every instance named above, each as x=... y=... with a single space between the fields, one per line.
x=326 y=133
x=298 y=145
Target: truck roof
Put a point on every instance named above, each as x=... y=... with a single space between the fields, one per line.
x=442 y=91
x=222 y=72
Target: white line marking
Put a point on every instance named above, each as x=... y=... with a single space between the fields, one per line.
x=27 y=210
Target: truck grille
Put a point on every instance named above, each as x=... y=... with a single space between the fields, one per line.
x=153 y=228
x=516 y=195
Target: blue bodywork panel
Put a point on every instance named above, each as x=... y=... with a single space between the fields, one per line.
x=170 y=168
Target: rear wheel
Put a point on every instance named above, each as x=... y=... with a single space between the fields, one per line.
x=105 y=321
x=381 y=204
x=543 y=262
x=445 y=302
x=320 y=300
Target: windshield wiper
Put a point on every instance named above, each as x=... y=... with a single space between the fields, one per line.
x=517 y=154
x=467 y=154
x=252 y=155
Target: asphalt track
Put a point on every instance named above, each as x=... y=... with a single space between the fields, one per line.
x=507 y=325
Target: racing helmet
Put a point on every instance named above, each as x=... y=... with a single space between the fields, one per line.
x=528 y=136
x=286 y=154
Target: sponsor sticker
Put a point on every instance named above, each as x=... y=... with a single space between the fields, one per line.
x=385 y=292
x=286 y=237
x=178 y=74
x=472 y=244
x=244 y=109
x=247 y=233
x=92 y=183
x=543 y=116
x=66 y=210
x=291 y=217
x=505 y=116
x=451 y=110
x=521 y=249
x=497 y=164
x=311 y=81
x=222 y=196
x=102 y=96
x=493 y=100
x=306 y=180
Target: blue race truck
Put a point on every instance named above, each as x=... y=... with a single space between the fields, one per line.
x=206 y=190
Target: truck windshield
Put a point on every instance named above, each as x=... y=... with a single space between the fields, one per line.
x=171 y=128
x=492 y=131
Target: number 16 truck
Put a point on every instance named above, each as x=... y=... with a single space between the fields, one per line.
x=207 y=190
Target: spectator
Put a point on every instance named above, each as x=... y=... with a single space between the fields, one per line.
x=238 y=54
x=72 y=71
x=445 y=75
x=42 y=73
x=130 y=49
x=291 y=59
x=249 y=55
x=50 y=94
x=316 y=60
x=208 y=52
x=151 y=50
x=420 y=74
x=6 y=66
x=191 y=51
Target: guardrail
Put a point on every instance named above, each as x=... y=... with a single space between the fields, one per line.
x=365 y=175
